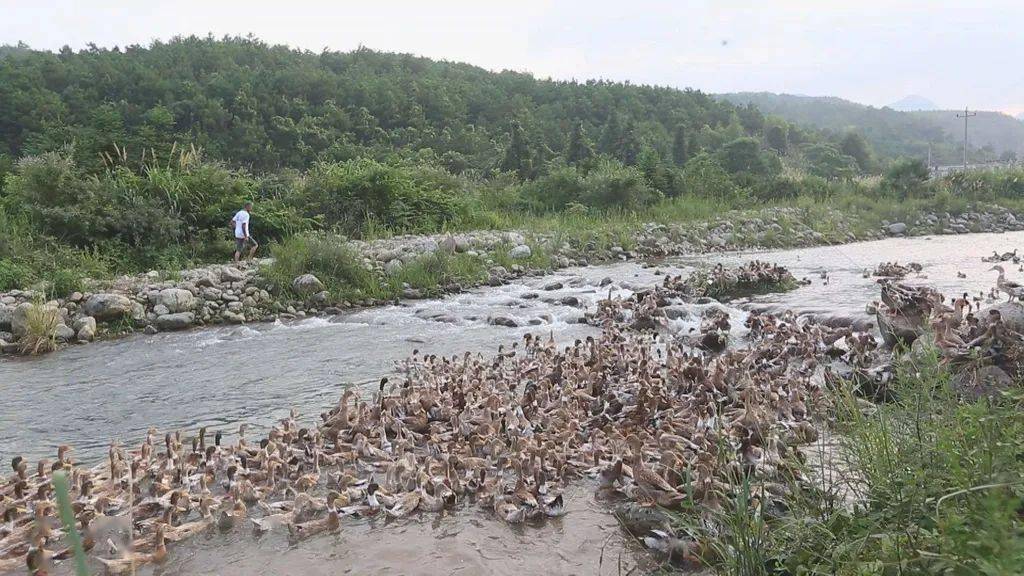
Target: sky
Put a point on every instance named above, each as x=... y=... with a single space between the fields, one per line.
x=875 y=52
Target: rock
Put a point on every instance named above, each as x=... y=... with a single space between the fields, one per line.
x=64 y=333
x=150 y=330
x=176 y=300
x=498 y=271
x=975 y=383
x=462 y=244
x=233 y=317
x=75 y=297
x=19 y=319
x=105 y=307
x=6 y=315
x=503 y=321
x=520 y=252
x=605 y=281
x=160 y=310
x=322 y=297
x=411 y=294
x=899 y=328
x=211 y=293
x=231 y=274
x=307 y=284
x=897 y=228
x=554 y=286
x=447 y=245
x=85 y=328
x=570 y=301
x=393 y=266
x=175 y=321
x=1012 y=314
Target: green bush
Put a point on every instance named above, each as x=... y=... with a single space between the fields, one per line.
x=326 y=256
x=612 y=185
x=347 y=194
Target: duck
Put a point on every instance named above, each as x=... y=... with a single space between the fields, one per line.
x=1012 y=289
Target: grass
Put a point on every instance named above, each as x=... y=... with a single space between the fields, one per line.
x=40 y=330
x=938 y=487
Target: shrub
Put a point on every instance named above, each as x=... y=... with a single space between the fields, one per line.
x=346 y=194
x=612 y=185
x=40 y=330
x=329 y=258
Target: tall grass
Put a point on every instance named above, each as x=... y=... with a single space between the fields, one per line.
x=40 y=330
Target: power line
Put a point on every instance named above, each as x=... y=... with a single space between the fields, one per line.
x=965 y=116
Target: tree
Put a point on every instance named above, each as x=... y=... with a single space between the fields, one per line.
x=580 y=151
x=629 y=146
x=744 y=156
x=906 y=178
x=680 y=149
x=611 y=136
x=518 y=156
x=777 y=139
x=826 y=161
x=855 y=146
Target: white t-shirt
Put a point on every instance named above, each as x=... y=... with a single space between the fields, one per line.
x=241 y=219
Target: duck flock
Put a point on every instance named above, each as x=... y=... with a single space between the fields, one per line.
x=654 y=418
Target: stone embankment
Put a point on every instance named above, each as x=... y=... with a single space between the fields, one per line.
x=219 y=294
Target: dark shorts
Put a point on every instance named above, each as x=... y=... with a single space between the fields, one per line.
x=241 y=243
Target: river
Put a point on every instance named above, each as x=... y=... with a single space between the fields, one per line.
x=89 y=395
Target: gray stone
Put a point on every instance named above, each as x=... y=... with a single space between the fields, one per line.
x=570 y=301
x=175 y=321
x=897 y=228
x=104 y=307
x=553 y=286
x=520 y=252
x=307 y=284
x=85 y=328
x=447 y=244
x=150 y=330
x=177 y=300
x=321 y=297
x=503 y=321
x=210 y=293
x=975 y=383
x=1012 y=314
x=64 y=333
x=160 y=310
x=231 y=274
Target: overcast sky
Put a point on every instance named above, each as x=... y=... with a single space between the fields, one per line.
x=953 y=52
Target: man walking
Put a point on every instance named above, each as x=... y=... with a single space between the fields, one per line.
x=243 y=237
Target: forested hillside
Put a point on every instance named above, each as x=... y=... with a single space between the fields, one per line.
x=893 y=133
x=135 y=158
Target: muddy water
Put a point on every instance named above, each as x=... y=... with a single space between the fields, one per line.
x=87 y=396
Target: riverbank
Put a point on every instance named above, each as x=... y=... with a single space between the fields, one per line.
x=324 y=275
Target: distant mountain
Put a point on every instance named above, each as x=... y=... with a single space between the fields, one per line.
x=893 y=133
x=912 y=103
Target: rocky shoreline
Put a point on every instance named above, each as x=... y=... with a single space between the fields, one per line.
x=235 y=294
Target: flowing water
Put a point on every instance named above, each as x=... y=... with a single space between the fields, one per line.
x=87 y=396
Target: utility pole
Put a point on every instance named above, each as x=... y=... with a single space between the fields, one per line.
x=965 y=116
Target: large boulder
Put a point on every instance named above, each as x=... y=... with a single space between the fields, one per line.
x=19 y=319
x=177 y=300
x=108 y=306
x=897 y=229
x=231 y=274
x=176 y=321
x=64 y=333
x=520 y=252
x=975 y=383
x=1012 y=314
x=307 y=284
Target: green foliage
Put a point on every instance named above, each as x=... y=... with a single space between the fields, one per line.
x=745 y=156
x=612 y=185
x=905 y=178
x=347 y=195
x=828 y=162
x=704 y=176
x=326 y=256
x=855 y=146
